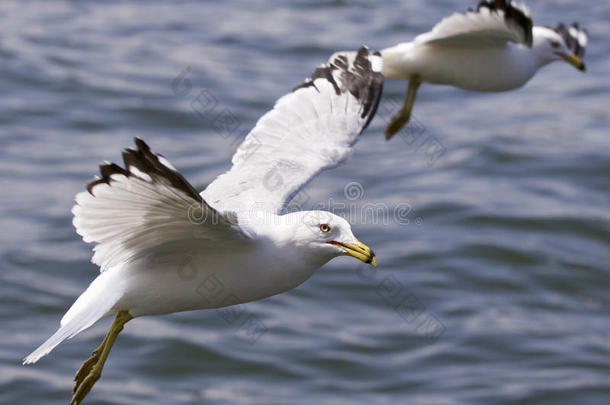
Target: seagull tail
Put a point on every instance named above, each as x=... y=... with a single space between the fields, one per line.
x=93 y=304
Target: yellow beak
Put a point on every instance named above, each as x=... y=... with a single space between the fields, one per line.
x=575 y=61
x=358 y=250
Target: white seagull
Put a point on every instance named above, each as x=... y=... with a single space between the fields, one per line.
x=491 y=49
x=149 y=224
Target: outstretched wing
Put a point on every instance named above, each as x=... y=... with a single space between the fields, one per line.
x=310 y=129
x=146 y=206
x=494 y=22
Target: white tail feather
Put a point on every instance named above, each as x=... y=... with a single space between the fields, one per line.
x=93 y=304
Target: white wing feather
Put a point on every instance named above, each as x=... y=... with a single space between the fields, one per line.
x=493 y=23
x=309 y=130
x=146 y=206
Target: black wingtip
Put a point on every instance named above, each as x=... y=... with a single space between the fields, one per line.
x=366 y=82
x=106 y=171
x=361 y=75
x=141 y=144
x=513 y=14
x=147 y=162
x=574 y=37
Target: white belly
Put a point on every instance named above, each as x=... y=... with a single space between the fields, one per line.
x=206 y=279
x=478 y=69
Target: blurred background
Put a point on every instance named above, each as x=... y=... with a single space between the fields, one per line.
x=493 y=246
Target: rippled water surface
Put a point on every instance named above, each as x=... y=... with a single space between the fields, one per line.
x=494 y=259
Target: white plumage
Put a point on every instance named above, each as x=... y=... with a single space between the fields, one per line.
x=487 y=25
x=493 y=48
x=302 y=135
x=131 y=211
x=159 y=243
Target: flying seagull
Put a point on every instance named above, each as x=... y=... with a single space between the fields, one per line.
x=491 y=49
x=148 y=222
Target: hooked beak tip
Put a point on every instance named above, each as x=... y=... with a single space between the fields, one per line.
x=358 y=250
x=575 y=61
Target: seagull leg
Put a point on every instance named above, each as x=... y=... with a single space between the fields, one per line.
x=91 y=370
x=403 y=116
x=88 y=364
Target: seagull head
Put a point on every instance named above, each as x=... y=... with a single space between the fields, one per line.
x=561 y=43
x=326 y=235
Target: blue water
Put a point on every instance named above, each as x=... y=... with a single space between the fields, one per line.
x=493 y=246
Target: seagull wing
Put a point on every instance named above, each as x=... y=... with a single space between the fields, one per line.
x=310 y=129
x=148 y=205
x=495 y=22
x=574 y=37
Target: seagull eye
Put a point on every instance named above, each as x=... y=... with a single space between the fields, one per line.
x=555 y=44
x=325 y=228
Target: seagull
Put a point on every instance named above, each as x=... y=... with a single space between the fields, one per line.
x=491 y=49
x=149 y=223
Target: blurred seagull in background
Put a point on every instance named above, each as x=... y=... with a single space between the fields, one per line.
x=491 y=49
x=148 y=222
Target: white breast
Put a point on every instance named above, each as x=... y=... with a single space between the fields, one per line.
x=208 y=279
